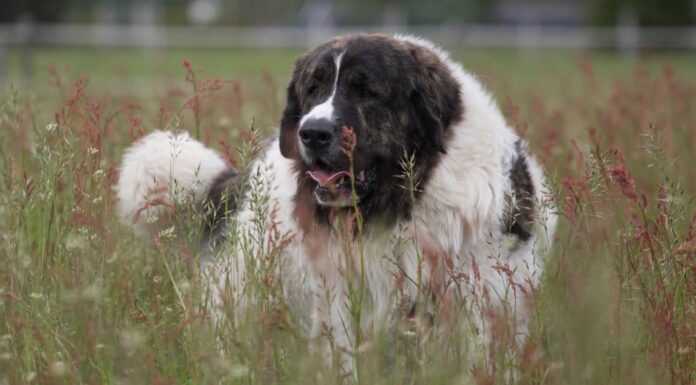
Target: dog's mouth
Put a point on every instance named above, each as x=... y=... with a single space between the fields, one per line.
x=328 y=180
x=338 y=188
x=333 y=187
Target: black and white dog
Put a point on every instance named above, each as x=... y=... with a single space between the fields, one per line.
x=394 y=169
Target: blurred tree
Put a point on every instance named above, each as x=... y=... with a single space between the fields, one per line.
x=415 y=11
x=37 y=10
x=665 y=12
x=648 y=12
x=174 y=11
x=424 y=12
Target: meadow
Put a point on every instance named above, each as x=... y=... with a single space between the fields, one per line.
x=84 y=301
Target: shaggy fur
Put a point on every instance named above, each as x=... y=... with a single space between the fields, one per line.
x=480 y=211
x=160 y=170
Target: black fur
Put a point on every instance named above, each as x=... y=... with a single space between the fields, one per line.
x=289 y=121
x=221 y=201
x=520 y=219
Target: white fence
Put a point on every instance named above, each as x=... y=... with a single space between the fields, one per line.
x=624 y=38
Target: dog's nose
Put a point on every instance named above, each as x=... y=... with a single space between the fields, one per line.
x=316 y=133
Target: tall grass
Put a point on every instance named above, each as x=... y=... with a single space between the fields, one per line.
x=83 y=301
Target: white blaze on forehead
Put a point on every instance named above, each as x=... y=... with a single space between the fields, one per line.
x=325 y=109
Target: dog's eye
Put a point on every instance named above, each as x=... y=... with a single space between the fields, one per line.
x=312 y=89
x=361 y=85
x=365 y=92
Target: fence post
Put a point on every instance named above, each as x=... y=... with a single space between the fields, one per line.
x=627 y=32
x=3 y=62
x=25 y=39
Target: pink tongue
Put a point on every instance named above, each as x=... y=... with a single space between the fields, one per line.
x=324 y=179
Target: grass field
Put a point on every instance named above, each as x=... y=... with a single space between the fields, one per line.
x=82 y=300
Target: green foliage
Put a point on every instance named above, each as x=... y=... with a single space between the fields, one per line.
x=413 y=11
x=647 y=12
x=37 y=10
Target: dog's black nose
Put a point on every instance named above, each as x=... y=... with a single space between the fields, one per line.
x=316 y=133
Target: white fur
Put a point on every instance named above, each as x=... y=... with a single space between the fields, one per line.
x=459 y=212
x=159 y=170
x=325 y=110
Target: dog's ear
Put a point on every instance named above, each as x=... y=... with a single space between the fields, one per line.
x=291 y=116
x=436 y=96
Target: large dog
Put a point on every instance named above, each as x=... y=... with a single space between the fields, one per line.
x=394 y=171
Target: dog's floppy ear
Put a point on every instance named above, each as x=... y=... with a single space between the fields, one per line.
x=436 y=96
x=291 y=116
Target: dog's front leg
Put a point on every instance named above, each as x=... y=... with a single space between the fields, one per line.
x=332 y=324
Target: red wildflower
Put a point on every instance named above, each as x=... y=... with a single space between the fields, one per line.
x=349 y=141
x=625 y=180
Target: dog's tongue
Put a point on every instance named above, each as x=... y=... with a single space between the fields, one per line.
x=325 y=179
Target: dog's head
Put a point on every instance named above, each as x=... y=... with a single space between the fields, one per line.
x=367 y=100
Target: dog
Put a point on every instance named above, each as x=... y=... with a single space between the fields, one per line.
x=393 y=171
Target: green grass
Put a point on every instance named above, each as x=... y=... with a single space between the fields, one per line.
x=526 y=65
x=82 y=300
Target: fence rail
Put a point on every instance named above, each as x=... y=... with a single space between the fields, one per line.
x=474 y=35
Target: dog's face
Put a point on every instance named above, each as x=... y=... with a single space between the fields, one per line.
x=366 y=100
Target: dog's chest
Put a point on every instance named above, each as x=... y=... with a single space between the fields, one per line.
x=391 y=263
